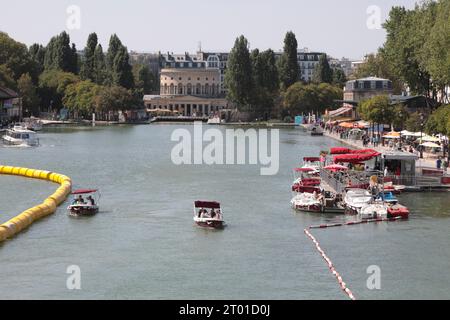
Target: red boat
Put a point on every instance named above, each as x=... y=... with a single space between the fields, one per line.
x=208 y=214
x=397 y=210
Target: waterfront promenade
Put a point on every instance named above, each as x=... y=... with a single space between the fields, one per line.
x=429 y=160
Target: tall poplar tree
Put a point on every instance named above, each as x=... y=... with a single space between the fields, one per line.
x=239 y=78
x=289 y=68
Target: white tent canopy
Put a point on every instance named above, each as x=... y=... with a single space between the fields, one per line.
x=430 y=145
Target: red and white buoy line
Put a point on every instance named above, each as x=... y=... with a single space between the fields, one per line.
x=342 y=284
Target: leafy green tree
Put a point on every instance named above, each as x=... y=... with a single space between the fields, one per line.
x=37 y=54
x=323 y=73
x=400 y=116
x=239 y=77
x=377 y=109
x=339 y=78
x=28 y=93
x=80 y=98
x=52 y=87
x=14 y=56
x=266 y=85
x=438 y=121
x=289 y=69
x=6 y=77
x=310 y=98
x=377 y=65
x=114 y=98
x=60 y=55
x=87 y=71
x=144 y=79
x=100 y=72
x=117 y=61
x=413 y=123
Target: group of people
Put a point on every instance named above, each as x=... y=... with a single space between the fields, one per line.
x=80 y=201
x=213 y=214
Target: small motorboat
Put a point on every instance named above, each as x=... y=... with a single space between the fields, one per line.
x=20 y=136
x=397 y=210
x=375 y=210
x=307 y=202
x=316 y=131
x=84 y=207
x=208 y=214
x=33 y=124
x=333 y=203
x=355 y=199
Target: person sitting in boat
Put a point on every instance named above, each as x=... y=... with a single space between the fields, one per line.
x=213 y=214
x=200 y=213
x=79 y=200
x=91 y=200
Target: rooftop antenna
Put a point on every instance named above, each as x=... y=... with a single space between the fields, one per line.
x=199 y=46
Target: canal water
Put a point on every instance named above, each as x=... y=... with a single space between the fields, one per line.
x=143 y=244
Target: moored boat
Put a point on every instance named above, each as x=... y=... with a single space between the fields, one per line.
x=355 y=199
x=208 y=214
x=374 y=210
x=307 y=202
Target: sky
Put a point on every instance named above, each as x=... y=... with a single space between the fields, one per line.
x=341 y=28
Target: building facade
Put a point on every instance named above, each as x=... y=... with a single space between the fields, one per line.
x=366 y=88
x=190 y=85
x=10 y=105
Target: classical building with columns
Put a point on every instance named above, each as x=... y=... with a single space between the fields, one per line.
x=189 y=86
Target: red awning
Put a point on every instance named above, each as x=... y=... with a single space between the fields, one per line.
x=207 y=204
x=84 y=191
x=340 y=150
x=363 y=151
x=303 y=169
x=354 y=158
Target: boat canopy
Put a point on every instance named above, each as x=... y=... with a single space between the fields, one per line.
x=207 y=204
x=364 y=151
x=340 y=150
x=84 y=191
x=311 y=159
x=307 y=189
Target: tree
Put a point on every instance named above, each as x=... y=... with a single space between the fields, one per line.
x=100 y=72
x=289 y=69
x=266 y=85
x=14 y=56
x=118 y=65
x=413 y=123
x=27 y=91
x=439 y=121
x=53 y=85
x=144 y=79
x=377 y=65
x=377 y=110
x=323 y=73
x=339 y=78
x=114 y=98
x=60 y=55
x=80 y=98
x=87 y=71
x=37 y=54
x=6 y=77
x=400 y=116
x=239 y=78
x=310 y=98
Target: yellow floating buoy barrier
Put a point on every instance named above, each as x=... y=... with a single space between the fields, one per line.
x=26 y=218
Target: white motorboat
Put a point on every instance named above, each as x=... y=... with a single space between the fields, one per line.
x=307 y=202
x=33 y=124
x=208 y=214
x=355 y=199
x=374 y=210
x=20 y=135
x=214 y=120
